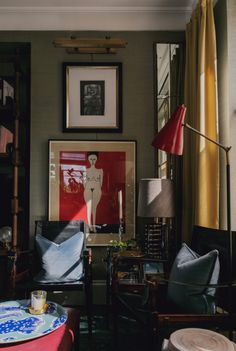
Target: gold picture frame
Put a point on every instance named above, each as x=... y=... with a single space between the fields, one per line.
x=94 y=181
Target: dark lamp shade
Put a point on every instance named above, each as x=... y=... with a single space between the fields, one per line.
x=156 y=198
x=170 y=137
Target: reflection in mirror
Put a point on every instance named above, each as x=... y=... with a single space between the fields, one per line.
x=169 y=92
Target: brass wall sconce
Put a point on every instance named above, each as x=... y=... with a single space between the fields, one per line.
x=90 y=46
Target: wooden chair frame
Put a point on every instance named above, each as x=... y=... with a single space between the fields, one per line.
x=85 y=284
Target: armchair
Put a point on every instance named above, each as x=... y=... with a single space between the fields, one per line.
x=190 y=296
x=60 y=262
x=185 y=300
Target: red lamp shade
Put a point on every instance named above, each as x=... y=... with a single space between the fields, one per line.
x=170 y=137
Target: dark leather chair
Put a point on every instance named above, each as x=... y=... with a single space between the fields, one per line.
x=167 y=317
x=159 y=320
x=152 y=309
x=205 y=239
x=58 y=232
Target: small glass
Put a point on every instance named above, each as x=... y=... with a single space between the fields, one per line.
x=38 y=302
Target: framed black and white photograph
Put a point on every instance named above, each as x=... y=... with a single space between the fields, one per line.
x=92 y=102
x=92 y=97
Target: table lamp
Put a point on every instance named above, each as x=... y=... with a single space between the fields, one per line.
x=156 y=200
x=170 y=139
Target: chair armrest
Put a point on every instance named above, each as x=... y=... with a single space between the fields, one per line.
x=27 y=264
x=157 y=296
x=87 y=259
x=18 y=265
x=150 y=295
x=222 y=320
x=87 y=256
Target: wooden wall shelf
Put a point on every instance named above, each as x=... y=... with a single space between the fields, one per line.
x=14 y=174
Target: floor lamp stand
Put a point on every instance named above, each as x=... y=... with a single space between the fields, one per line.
x=229 y=230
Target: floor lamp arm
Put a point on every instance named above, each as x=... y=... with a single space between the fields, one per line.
x=225 y=148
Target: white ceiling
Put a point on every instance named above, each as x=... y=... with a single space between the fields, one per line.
x=95 y=14
x=96 y=3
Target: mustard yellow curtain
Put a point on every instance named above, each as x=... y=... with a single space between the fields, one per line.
x=201 y=159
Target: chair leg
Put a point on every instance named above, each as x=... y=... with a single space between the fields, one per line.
x=77 y=339
x=157 y=337
x=90 y=320
x=114 y=311
x=150 y=333
x=88 y=288
x=89 y=308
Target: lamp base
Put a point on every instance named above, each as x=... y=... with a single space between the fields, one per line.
x=156 y=240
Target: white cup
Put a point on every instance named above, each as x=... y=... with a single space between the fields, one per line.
x=38 y=300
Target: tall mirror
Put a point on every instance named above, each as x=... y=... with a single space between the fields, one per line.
x=169 y=93
x=169 y=59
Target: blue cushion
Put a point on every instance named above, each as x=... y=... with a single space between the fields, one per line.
x=190 y=268
x=60 y=262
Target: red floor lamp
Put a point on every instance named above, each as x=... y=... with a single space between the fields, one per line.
x=170 y=139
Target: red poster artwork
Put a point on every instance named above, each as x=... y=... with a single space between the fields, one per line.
x=92 y=188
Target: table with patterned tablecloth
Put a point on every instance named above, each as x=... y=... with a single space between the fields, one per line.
x=17 y=324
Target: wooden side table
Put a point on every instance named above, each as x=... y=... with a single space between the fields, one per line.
x=132 y=286
x=131 y=272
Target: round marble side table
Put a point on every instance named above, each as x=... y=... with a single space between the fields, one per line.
x=197 y=339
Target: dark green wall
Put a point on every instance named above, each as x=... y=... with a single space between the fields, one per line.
x=46 y=104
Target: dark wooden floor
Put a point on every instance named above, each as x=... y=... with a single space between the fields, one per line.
x=130 y=337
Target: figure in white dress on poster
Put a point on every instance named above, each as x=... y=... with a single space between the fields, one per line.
x=93 y=179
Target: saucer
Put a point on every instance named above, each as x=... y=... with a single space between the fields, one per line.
x=43 y=310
